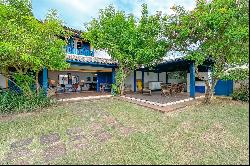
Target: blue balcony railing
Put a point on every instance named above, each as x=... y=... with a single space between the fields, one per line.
x=82 y=51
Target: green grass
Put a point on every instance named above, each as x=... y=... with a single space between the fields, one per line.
x=212 y=134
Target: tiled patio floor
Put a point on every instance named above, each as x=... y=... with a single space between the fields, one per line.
x=79 y=94
x=158 y=98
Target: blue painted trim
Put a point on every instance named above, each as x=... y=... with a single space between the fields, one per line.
x=113 y=80
x=91 y=64
x=79 y=51
x=98 y=83
x=192 y=80
x=113 y=75
x=45 y=80
x=200 y=89
x=142 y=75
x=134 y=81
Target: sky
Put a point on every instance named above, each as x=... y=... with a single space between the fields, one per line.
x=75 y=13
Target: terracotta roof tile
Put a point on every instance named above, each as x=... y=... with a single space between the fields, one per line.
x=91 y=59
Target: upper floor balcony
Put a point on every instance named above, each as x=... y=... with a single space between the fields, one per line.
x=79 y=51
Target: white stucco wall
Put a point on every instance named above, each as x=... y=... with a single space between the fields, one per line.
x=148 y=76
x=206 y=75
x=101 y=54
x=163 y=77
x=2 y=81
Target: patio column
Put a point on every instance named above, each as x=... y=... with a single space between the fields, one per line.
x=98 y=83
x=134 y=81
x=113 y=75
x=192 y=80
x=113 y=79
x=45 y=80
x=142 y=79
x=158 y=76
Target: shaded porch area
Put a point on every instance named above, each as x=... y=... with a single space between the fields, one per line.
x=87 y=76
x=175 y=78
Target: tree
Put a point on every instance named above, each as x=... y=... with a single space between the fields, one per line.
x=132 y=43
x=27 y=44
x=216 y=30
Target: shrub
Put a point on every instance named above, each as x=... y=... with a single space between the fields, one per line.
x=14 y=103
x=114 y=90
x=241 y=93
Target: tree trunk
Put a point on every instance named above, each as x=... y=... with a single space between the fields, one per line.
x=209 y=91
x=122 y=83
x=209 y=88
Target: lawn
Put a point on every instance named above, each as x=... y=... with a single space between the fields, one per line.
x=109 y=131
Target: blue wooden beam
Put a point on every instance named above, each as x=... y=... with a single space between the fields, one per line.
x=113 y=79
x=134 y=81
x=45 y=80
x=98 y=83
x=192 y=79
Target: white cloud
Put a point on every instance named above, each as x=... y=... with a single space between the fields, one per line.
x=76 y=12
x=162 y=5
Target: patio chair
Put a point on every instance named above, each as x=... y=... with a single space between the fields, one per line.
x=102 y=87
x=146 y=89
x=68 y=88
x=181 y=88
x=166 y=89
x=175 y=88
x=76 y=87
x=128 y=88
x=85 y=87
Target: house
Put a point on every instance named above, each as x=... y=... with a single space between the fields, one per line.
x=94 y=70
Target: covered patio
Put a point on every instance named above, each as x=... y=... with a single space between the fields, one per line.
x=147 y=85
x=87 y=76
